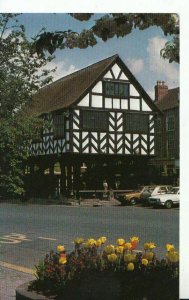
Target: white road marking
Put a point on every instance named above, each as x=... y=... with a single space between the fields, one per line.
x=13 y=238
x=45 y=238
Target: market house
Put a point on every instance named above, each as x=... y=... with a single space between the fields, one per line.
x=102 y=128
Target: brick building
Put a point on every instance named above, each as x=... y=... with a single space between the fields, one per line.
x=167 y=139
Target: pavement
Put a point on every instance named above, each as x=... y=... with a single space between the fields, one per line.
x=10 y=280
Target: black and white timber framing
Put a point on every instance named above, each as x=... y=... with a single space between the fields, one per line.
x=111 y=116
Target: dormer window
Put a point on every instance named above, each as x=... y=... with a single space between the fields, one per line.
x=116 y=89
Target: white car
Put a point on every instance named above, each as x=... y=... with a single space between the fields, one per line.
x=167 y=200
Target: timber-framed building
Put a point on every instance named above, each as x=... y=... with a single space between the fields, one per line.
x=103 y=128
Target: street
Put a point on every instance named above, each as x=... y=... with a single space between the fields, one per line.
x=28 y=232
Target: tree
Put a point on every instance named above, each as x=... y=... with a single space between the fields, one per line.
x=22 y=73
x=109 y=26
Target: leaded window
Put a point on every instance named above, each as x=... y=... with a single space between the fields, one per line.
x=94 y=120
x=58 y=125
x=136 y=123
x=116 y=89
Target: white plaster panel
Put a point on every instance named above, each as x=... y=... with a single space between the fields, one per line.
x=111 y=151
x=85 y=143
x=97 y=88
x=143 y=152
x=152 y=151
x=124 y=104
x=94 y=134
x=75 y=149
x=144 y=136
x=134 y=104
x=76 y=134
x=143 y=143
x=75 y=126
x=67 y=125
x=145 y=106
x=84 y=101
x=133 y=91
x=84 y=134
x=123 y=76
x=102 y=135
x=86 y=150
x=108 y=103
x=127 y=151
x=93 y=150
x=108 y=75
x=96 y=101
x=116 y=70
x=116 y=103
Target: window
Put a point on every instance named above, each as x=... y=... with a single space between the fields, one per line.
x=136 y=123
x=58 y=125
x=170 y=123
x=94 y=120
x=116 y=89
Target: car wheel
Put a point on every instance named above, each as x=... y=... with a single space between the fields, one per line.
x=133 y=201
x=169 y=204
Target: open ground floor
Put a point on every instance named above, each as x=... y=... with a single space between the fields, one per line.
x=49 y=176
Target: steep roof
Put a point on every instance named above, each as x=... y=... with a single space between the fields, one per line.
x=170 y=100
x=70 y=89
x=65 y=91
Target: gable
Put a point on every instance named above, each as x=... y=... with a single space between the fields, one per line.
x=135 y=101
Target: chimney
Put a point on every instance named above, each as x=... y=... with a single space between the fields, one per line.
x=160 y=90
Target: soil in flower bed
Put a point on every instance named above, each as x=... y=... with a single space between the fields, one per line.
x=112 y=286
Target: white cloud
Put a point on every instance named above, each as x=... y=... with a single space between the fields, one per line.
x=63 y=68
x=136 y=65
x=164 y=70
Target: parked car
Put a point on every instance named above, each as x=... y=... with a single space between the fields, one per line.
x=134 y=197
x=167 y=200
x=143 y=195
x=152 y=191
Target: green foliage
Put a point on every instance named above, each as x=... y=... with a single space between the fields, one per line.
x=22 y=73
x=109 y=26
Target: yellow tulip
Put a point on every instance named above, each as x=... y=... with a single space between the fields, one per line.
x=170 y=247
x=134 y=239
x=112 y=257
x=127 y=246
x=149 y=246
x=130 y=266
x=120 y=242
x=129 y=257
x=92 y=242
x=110 y=249
x=103 y=239
x=62 y=260
x=119 y=249
x=144 y=262
x=173 y=256
x=60 y=248
x=149 y=255
x=98 y=243
x=78 y=241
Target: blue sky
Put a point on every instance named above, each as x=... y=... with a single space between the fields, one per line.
x=140 y=50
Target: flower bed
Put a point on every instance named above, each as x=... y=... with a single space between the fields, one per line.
x=97 y=270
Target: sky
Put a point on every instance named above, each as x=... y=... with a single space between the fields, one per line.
x=139 y=50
